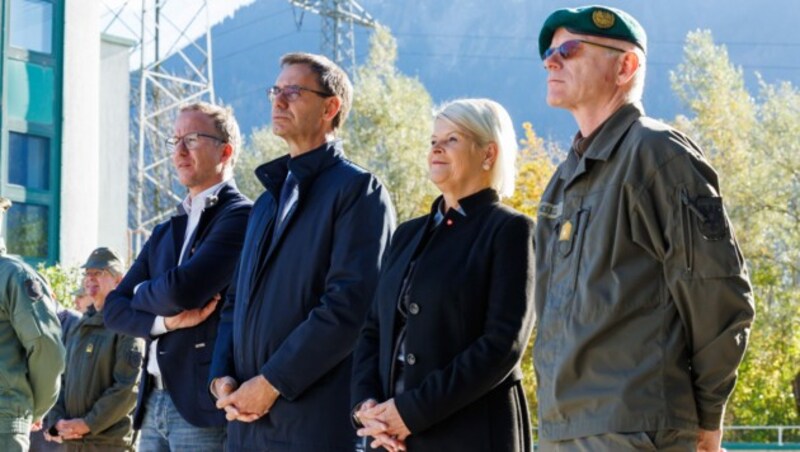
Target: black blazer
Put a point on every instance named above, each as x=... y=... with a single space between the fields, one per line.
x=470 y=315
x=184 y=356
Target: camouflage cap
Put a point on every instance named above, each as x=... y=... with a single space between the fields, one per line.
x=104 y=259
x=593 y=20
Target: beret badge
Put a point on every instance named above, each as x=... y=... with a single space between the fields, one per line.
x=603 y=19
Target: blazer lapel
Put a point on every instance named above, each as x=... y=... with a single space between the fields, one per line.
x=178 y=232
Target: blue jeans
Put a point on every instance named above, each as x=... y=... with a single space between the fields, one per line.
x=165 y=430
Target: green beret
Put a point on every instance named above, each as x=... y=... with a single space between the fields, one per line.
x=593 y=20
x=104 y=259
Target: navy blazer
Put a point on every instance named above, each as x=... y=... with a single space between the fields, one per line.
x=166 y=289
x=300 y=298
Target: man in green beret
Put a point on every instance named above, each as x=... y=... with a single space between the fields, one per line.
x=31 y=353
x=94 y=411
x=643 y=299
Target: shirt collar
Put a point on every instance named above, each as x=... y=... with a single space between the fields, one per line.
x=204 y=198
x=438 y=217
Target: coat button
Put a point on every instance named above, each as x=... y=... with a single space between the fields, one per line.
x=411 y=359
x=413 y=309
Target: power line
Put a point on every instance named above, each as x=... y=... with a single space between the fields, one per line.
x=257 y=44
x=254 y=21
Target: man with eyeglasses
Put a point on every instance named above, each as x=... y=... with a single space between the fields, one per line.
x=31 y=353
x=94 y=409
x=310 y=262
x=643 y=299
x=170 y=294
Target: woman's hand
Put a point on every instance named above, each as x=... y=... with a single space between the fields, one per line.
x=382 y=421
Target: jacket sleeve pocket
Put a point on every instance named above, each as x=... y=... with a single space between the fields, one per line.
x=710 y=247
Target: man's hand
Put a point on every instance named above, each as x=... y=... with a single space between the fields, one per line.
x=709 y=440
x=36 y=425
x=376 y=429
x=252 y=400
x=72 y=428
x=192 y=317
x=52 y=439
x=223 y=386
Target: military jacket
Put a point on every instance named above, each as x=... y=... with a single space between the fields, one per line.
x=642 y=296
x=100 y=381
x=31 y=353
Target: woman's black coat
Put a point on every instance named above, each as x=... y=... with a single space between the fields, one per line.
x=470 y=318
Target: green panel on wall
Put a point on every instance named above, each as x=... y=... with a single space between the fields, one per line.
x=30 y=91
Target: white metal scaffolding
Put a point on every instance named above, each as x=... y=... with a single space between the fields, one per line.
x=338 y=20
x=175 y=69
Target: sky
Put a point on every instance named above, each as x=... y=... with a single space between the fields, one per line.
x=123 y=18
x=456 y=52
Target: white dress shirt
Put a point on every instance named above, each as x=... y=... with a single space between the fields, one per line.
x=199 y=204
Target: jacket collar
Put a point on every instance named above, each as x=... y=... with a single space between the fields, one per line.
x=224 y=192
x=471 y=204
x=92 y=317
x=304 y=167
x=604 y=144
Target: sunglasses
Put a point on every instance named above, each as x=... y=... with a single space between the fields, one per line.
x=568 y=49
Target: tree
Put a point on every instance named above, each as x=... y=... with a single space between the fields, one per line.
x=753 y=143
x=261 y=147
x=390 y=126
x=536 y=166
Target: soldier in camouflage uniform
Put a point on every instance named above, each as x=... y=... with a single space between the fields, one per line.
x=31 y=352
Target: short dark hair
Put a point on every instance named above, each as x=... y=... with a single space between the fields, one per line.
x=330 y=77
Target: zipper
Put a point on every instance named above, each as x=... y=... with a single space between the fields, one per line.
x=688 y=239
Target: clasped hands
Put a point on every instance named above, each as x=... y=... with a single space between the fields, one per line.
x=68 y=429
x=383 y=423
x=245 y=403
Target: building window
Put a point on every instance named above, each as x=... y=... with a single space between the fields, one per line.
x=27 y=230
x=29 y=161
x=31 y=26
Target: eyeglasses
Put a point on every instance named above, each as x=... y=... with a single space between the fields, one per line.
x=93 y=273
x=190 y=141
x=292 y=92
x=567 y=49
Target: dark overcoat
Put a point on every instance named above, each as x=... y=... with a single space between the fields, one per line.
x=300 y=298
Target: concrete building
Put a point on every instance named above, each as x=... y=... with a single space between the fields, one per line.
x=64 y=130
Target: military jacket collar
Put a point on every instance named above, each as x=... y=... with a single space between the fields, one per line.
x=92 y=317
x=604 y=144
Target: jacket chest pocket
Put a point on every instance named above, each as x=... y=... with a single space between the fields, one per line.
x=565 y=254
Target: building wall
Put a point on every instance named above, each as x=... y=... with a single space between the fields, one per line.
x=94 y=172
x=80 y=153
x=112 y=227
x=30 y=125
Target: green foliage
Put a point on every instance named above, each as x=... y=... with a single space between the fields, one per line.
x=389 y=128
x=63 y=281
x=753 y=143
x=262 y=147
